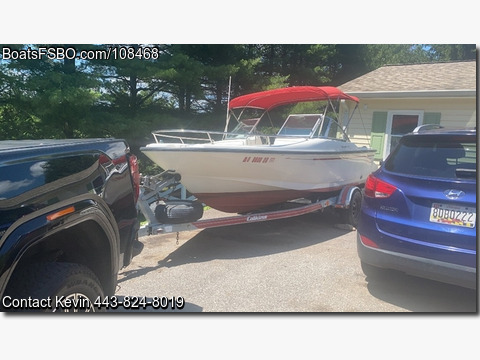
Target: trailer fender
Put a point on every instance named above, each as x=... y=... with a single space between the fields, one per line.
x=346 y=195
x=349 y=203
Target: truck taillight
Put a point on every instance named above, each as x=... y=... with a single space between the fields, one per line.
x=376 y=188
x=133 y=162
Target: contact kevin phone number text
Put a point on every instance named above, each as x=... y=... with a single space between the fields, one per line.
x=139 y=302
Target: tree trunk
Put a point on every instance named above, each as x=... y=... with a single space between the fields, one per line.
x=133 y=93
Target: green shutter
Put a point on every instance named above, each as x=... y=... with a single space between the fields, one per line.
x=377 y=138
x=432 y=118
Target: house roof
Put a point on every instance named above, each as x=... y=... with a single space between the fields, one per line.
x=445 y=79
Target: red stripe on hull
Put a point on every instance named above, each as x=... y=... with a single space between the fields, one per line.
x=242 y=202
x=245 y=202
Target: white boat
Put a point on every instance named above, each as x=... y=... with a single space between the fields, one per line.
x=310 y=156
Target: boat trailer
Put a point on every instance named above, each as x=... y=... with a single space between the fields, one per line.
x=166 y=188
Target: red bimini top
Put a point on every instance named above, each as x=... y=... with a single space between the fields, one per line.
x=272 y=98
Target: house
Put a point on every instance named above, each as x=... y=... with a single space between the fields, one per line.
x=395 y=99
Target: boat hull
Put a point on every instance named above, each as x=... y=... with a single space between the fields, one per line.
x=244 y=202
x=244 y=179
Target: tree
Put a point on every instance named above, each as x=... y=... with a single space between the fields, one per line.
x=130 y=82
x=183 y=74
x=184 y=84
x=50 y=95
x=304 y=64
x=446 y=52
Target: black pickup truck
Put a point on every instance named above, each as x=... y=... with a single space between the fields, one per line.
x=68 y=222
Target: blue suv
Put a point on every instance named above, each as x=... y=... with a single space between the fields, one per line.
x=418 y=214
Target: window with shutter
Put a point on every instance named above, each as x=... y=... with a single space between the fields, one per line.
x=389 y=127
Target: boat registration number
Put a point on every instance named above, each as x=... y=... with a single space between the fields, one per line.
x=453 y=215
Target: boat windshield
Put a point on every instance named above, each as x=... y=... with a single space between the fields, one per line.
x=301 y=125
x=310 y=125
x=244 y=127
x=331 y=130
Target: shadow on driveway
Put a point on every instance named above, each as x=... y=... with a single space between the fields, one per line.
x=256 y=239
x=421 y=295
x=247 y=241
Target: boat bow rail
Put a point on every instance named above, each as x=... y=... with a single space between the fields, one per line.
x=295 y=127
x=189 y=136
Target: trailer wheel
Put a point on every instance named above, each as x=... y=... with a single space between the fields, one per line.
x=69 y=287
x=351 y=214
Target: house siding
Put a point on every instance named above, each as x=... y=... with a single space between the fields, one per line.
x=439 y=93
x=454 y=113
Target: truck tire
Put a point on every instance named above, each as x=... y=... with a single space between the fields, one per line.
x=69 y=287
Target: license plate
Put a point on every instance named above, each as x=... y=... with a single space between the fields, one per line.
x=464 y=216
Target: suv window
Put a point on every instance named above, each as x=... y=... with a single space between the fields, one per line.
x=448 y=157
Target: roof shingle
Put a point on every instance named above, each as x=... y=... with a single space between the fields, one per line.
x=419 y=77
